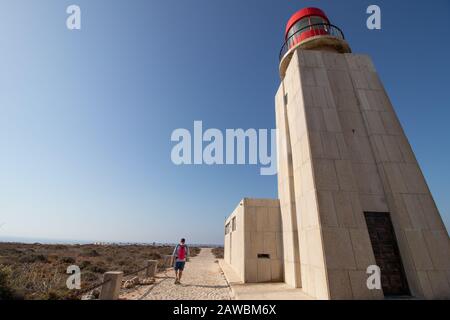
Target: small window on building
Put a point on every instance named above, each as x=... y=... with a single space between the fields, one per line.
x=233 y=223
x=285 y=99
x=263 y=256
x=227 y=228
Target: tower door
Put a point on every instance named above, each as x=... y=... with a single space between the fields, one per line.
x=387 y=255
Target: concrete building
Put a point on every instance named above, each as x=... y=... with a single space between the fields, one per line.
x=351 y=193
x=253 y=240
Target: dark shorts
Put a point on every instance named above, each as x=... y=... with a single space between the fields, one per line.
x=179 y=265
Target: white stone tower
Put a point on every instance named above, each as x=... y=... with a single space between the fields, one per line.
x=351 y=191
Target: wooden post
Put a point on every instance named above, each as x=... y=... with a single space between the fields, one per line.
x=151 y=268
x=167 y=261
x=111 y=289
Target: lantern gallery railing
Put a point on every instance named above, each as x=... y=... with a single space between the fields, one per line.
x=312 y=30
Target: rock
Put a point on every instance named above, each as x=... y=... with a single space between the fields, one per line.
x=88 y=297
x=147 y=281
x=93 y=295
x=131 y=282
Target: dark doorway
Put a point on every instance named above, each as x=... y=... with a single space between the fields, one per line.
x=387 y=255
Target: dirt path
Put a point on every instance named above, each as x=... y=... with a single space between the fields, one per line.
x=202 y=280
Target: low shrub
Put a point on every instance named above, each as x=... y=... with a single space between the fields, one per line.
x=218 y=252
x=6 y=292
x=89 y=277
x=33 y=258
x=96 y=268
x=90 y=253
x=67 y=260
x=84 y=264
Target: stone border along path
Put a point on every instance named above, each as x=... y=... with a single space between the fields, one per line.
x=202 y=280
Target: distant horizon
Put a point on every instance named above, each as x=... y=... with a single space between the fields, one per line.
x=50 y=241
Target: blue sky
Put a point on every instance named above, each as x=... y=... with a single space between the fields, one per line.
x=86 y=116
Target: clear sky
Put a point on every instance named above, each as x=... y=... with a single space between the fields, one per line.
x=86 y=116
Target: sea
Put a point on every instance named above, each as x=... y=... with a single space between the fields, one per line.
x=71 y=241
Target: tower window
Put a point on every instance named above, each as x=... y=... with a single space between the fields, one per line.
x=227 y=228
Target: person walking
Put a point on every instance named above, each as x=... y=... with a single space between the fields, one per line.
x=179 y=256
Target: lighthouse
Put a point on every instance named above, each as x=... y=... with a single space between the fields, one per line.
x=354 y=218
x=352 y=194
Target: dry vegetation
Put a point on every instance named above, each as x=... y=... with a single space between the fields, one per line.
x=38 y=271
x=218 y=252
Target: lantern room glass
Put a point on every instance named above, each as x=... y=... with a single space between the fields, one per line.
x=302 y=25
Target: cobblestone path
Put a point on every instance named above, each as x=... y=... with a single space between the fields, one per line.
x=202 y=280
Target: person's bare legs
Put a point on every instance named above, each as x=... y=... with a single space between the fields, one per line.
x=180 y=273
x=176 y=276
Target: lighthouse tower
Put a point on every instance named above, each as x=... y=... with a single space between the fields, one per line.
x=351 y=192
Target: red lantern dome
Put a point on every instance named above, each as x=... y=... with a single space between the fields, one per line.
x=304 y=17
x=310 y=29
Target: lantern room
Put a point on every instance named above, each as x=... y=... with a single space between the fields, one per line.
x=306 y=23
x=310 y=29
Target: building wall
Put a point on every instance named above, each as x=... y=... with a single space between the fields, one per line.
x=286 y=194
x=421 y=234
x=262 y=221
x=350 y=155
x=258 y=232
x=234 y=241
x=312 y=261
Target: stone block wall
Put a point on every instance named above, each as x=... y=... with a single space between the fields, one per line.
x=344 y=154
x=254 y=249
